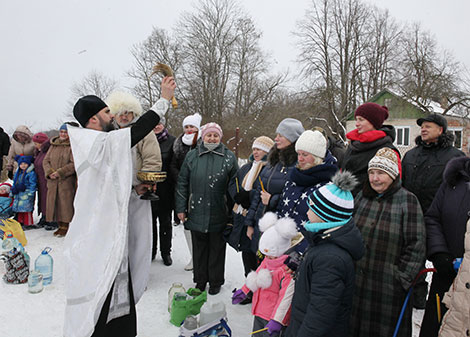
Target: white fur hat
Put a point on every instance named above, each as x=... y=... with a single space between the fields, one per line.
x=277 y=234
x=194 y=120
x=120 y=102
x=312 y=142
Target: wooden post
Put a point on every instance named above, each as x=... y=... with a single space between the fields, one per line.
x=237 y=136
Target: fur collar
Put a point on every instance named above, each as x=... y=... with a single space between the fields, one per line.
x=457 y=168
x=56 y=141
x=444 y=140
x=286 y=157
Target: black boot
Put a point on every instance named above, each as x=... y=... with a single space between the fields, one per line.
x=167 y=261
x=201 y=286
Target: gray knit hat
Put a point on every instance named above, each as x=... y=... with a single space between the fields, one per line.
x=290 y=128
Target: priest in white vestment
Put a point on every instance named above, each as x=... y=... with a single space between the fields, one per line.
x=108 y=246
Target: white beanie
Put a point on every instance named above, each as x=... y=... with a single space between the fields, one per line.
x=312 y=142
x=277 y=234
x=120 y=102
x=194 y=120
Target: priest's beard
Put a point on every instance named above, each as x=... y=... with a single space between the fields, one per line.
x=110 y=126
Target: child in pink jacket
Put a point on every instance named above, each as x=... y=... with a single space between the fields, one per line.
x=271 y=285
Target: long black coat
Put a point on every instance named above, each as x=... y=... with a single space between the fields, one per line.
x=357 y=156
x=324 y=284
x=423 y=166
x=166 y=189
x=447 y=217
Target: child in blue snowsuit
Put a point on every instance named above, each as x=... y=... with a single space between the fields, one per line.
x=24 y=191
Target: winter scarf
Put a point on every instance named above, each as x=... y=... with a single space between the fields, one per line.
x=162 y=136
x=252 y=174
x=361 y=142
x=190 y=139
x=313 y=175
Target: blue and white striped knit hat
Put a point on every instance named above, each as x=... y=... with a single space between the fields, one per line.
x=334 y=202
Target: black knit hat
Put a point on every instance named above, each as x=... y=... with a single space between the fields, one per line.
x=86 y=107
x=434 y=118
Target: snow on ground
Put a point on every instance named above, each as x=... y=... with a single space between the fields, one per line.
x=37 y=315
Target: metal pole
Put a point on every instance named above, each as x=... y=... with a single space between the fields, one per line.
x=237 y=135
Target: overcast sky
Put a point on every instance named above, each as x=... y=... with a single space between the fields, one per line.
x=48 y=45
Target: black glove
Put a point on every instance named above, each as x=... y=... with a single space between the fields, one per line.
x=243 y=198
x=443 y=263
x=293 y=261
x=10 y=174
x=21 y=187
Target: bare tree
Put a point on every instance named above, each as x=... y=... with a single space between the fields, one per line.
x=158 y=47
x=381 y=53
x=94 y=83
x=331 y=43
x=219 y=66
x=427 y=74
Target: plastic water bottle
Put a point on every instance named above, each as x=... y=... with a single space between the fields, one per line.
x=44 y=264
x=9 y=243
x=211 y=311
x=175 y=288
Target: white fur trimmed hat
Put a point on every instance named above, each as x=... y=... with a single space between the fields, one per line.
x=119 y=102
x=312 y=142
x=385 y=160
x=263 y=143
x=277 y=234
x=194 y=120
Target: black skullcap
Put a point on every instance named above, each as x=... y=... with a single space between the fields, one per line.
x=86 y=107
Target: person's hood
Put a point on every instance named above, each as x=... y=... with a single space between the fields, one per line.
x=58 y=142
x=457 y=169
x=23 y=129
x=390 y=131
x=347 y=237
x=445 y=140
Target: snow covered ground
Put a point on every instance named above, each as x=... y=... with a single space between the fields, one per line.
x=37 y=315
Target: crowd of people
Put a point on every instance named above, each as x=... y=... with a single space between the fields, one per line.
x=332 y=240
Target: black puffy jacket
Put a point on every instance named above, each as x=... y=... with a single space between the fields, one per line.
x=423 y=166
x=324 y=285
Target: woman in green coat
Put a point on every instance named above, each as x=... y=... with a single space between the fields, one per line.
x=201 y=202
x=392 y=226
